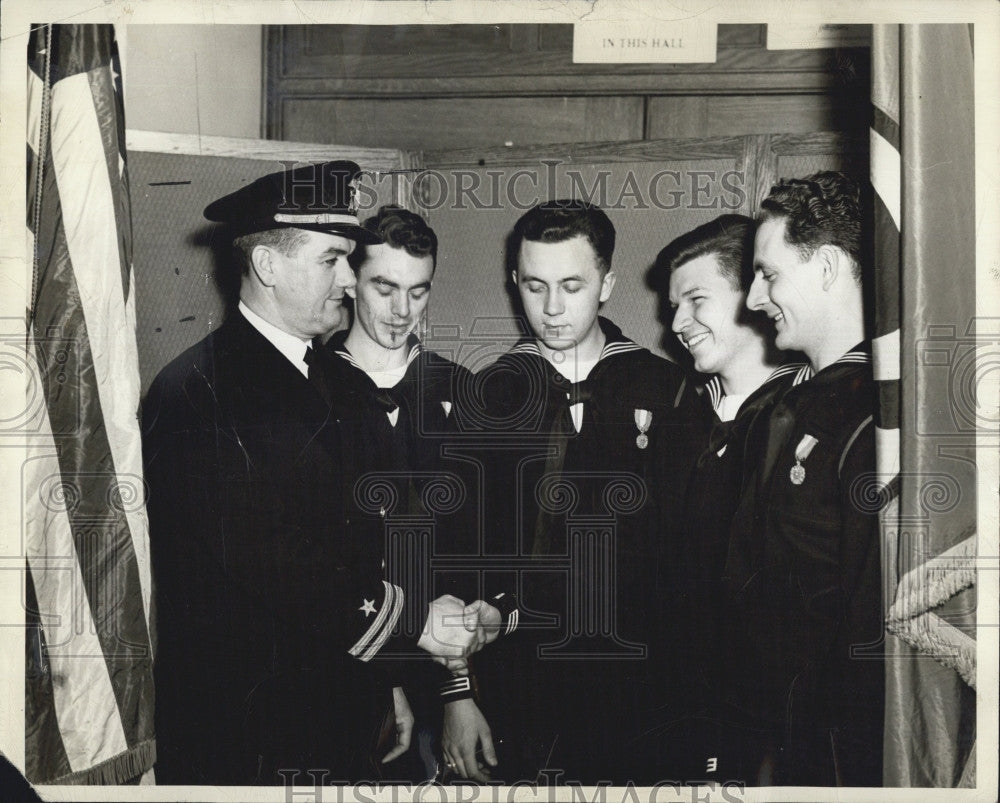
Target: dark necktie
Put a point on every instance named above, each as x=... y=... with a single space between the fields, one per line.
x=562 y=430
x=718 y=437
x=314 y=361
x=387 y=399
x=578 y=393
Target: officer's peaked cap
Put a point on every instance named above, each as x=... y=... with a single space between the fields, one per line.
x=318 y=197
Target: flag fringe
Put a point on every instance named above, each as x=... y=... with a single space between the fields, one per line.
x=932 y=583
x=922 y=589
x=946 y=644
x=121 y=769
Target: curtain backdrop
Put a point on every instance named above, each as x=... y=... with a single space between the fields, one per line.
x=922 y=168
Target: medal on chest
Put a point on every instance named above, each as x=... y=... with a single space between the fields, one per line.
x=643 y=420
x=797 y=474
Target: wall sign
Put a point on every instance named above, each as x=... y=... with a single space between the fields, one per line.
x=653 y=42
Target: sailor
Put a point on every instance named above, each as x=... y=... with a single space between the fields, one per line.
x=803 y=568
x=706 y=273
x=605 y=436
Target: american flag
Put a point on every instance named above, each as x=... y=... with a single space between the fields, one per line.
x=89 y=642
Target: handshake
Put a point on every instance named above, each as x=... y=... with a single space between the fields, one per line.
x=454 y=631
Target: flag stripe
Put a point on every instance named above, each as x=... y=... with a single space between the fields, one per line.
x=86 y=530
x=85 y=701
x=108 y=380
x=885 y=356
x=887 y=452
x=887 y=413
x=885 y=70
x=887 y=287
x=105 y=103
x=886 y=127
x=885 y=175
x=123 y=182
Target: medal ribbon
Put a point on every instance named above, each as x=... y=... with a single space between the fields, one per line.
x=643 y=418
x=805 y=447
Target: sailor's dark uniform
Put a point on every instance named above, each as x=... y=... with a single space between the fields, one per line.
x=804 y=615
x=693 y=744
x=419 y=496
x=586 y=520
x=402 y=441
x=405 y=454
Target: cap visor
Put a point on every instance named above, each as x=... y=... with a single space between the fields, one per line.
x=356 y=233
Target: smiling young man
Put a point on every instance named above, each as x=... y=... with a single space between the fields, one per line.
x=604 y=433
x=383 y=376
x=709 y=268
x=394 y=395
x=705 y=273
x=803 y=570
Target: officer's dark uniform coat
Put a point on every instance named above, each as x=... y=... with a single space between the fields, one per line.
x=270 y=598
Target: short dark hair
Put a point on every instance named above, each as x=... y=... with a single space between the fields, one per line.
x=728 y=237
x=399 y=228
x=826 y=208
x=561 y=220
x=286 y=240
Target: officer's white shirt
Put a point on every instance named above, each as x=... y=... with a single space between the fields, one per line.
x=292 y=346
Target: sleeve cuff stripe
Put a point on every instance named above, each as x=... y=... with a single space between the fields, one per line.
x=512 y=621
x=458 y=688
x=363 y=642
x=394 y=614
x=378 y=627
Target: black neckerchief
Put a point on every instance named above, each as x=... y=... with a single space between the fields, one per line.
x=385 y=399
x=722 y=431
x=563 y=394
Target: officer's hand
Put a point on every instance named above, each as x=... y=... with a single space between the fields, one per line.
x=445 y=635
x=404 y=724
x=484 y=620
